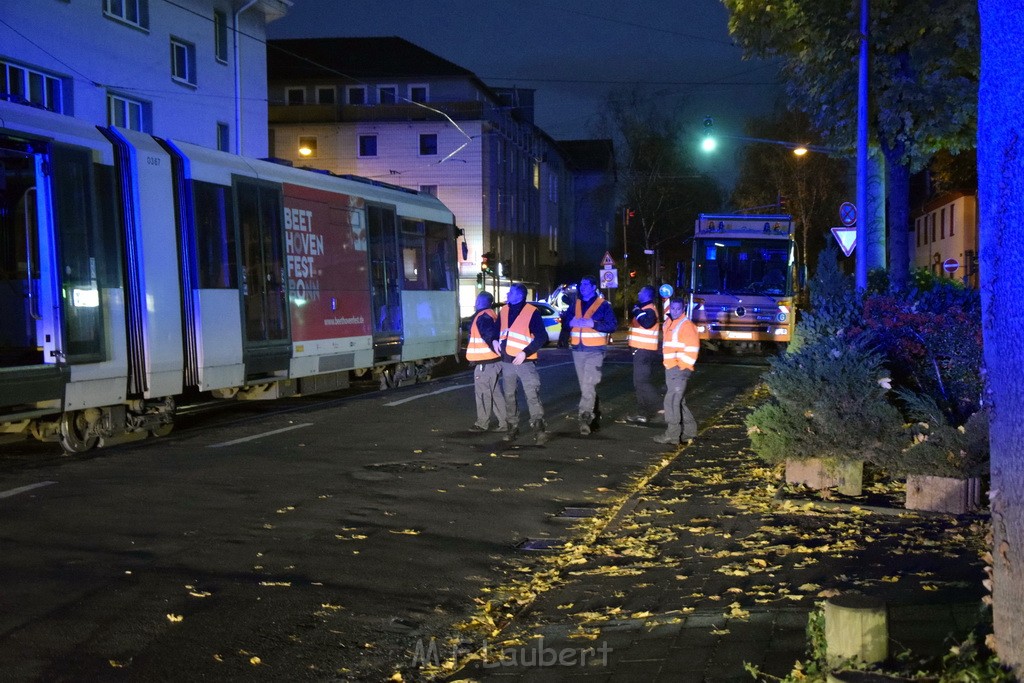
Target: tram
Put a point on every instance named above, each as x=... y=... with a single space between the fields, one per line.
x=136 y=270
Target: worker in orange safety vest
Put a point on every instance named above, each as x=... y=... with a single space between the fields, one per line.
x=522 y=334
x=483 y=332
x=645 y=341
x=680 y=345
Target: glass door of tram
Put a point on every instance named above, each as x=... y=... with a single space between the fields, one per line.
x=32 y=368
x=263 y=284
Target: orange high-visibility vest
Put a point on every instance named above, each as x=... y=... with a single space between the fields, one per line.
x=478 y=350
x=680 y=344
x=641 y=337
x=518 y=337
x=588 y=336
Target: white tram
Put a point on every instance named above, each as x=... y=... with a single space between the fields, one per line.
x=136 y=270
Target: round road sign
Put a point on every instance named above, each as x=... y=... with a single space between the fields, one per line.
x=848 y=214
x=950 y=265
x=666 y=290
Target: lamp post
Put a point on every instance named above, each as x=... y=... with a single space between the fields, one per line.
x=861 y=266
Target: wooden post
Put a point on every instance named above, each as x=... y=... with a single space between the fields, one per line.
x=856 y=628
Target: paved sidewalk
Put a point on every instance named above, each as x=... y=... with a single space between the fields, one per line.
x=703 y=572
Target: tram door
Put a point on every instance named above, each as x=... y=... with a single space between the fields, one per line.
x=19 y=261
x=56 y=242
x=263 y=284
x=385 y=292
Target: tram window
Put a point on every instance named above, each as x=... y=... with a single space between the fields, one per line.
x=215 y=241
x=427 y=256
x=414 y=274
x=440 y=257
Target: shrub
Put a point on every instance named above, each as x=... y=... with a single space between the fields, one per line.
x=931 y=339
x=828 y=401
x=834 y=306
x=937 y=447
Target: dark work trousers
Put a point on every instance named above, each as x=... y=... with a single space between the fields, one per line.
x=647 y=380
x=679 y=418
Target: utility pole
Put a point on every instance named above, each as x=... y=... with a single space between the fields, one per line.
x=861 y=266
x=625 y=258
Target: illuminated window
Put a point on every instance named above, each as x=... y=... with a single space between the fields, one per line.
x=307 y=146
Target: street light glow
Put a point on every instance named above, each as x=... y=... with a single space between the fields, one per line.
x=709 y=144
x=800 y=150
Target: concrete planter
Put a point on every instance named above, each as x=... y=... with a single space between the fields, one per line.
x=943 y=494
x=847 y=475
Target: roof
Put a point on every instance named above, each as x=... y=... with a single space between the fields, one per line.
x=380 y=57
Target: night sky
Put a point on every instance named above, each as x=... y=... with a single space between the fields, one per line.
x=572 y=52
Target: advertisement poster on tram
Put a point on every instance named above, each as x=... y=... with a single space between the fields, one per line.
x=328 y=284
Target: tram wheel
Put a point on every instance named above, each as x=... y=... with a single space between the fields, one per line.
x=162 y=430
x=73 y=433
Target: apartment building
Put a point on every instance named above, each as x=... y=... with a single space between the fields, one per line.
x=946 y=237
x=394 y=112
x=190 y=70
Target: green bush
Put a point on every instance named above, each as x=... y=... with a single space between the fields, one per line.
x=936 y=447
x=828 y=401
x=834 y=303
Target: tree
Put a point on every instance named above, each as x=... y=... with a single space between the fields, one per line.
x=923 y=80
x=814 y=185
x=657 y=179
x=1001 y=207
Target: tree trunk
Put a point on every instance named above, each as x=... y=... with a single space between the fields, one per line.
x=898 y=217
x=1001 y=213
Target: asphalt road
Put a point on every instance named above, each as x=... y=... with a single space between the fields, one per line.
x=315 y=539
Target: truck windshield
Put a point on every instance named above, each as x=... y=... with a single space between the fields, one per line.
x=743 y=266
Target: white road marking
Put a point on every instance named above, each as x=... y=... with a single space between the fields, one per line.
x=23 y=489
x=453 y=388
x=432 y=393
x=260 y=436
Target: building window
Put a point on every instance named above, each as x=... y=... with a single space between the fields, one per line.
x=183 y=61
x=418 y=93
x=223 y=137
x=356 y=94
x=428 y=144
x=429 y=189
x=325 y=94
x=536 y=176
x=387 y=94
x=942 y=224
x=307 y=146
x=134 y=12
x=220 y=35
x=917 y=231
x=28 y=86
x=932 y=216
x=951 y=214
x=295 y=95
x=367 y=145
x=126 y=112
